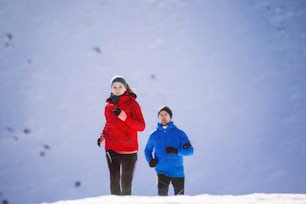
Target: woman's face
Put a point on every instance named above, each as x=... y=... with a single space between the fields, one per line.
x=118 y=88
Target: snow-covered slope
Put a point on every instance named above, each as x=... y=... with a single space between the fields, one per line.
x=233 y=72
x=198 y=199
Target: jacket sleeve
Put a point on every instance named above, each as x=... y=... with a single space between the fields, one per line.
x=135 y=119
x=186 y=148
x=148 y=151
x=106 y=118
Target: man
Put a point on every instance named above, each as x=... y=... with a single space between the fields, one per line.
x=165 y=150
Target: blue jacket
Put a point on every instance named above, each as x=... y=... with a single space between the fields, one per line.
x=169 y=164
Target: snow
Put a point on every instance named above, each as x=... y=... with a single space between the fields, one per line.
x=233 y=71
x=198 y=199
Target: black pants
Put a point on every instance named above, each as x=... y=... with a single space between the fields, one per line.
x=163 y=185
x=121 y=170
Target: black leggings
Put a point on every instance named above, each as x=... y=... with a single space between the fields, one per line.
x=121 y=170
x=163 y=185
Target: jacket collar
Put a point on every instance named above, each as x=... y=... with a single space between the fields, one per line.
x=170 y=125
x=126 y=96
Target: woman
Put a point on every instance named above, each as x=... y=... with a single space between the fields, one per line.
x=124 y=119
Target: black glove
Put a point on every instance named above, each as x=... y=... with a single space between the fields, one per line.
x=171 y=150
x=117 y=111
x=187 y=145
x=99 y=142
x=153 y=162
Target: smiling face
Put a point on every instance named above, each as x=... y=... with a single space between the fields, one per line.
x=164 y=118
x=118 y=88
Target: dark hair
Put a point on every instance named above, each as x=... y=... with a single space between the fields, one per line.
x=165 y=108
x=130 y=91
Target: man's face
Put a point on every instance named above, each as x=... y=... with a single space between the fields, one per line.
x=164 y=118
x=118 y=88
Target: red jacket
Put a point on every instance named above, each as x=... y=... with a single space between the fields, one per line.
x=121 y=136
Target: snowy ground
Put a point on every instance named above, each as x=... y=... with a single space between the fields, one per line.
x=199 y=199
